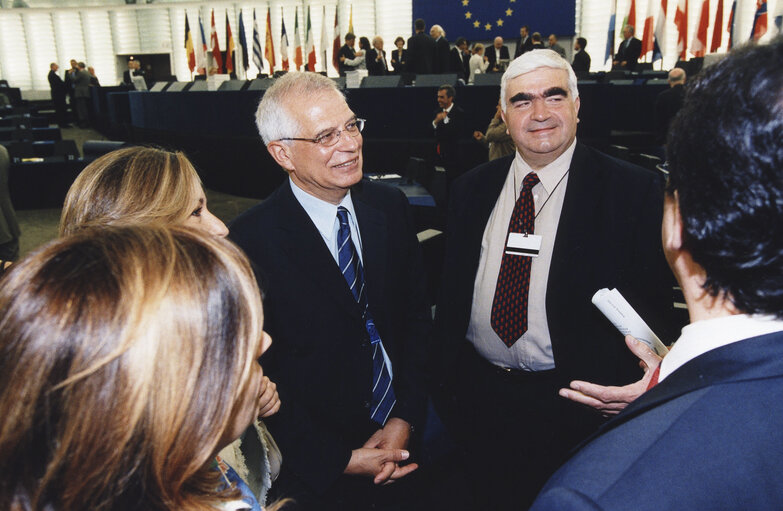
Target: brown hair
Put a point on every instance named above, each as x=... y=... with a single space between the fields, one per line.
x=124 y=353
x=135 y=185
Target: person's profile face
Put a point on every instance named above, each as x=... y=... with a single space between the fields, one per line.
x=202 y=218
x=540 y=116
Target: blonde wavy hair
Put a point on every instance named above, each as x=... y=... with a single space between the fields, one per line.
x=124 y=354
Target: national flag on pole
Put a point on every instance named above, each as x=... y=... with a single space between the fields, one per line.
x=269 y=48
x=648 y=35
x=257 y=60
x=610 y=33
x=660 y=32
x=730 y=27
x=681 y=22
x=230 y=47
x=243 y=42
x=717 y=28
x=350 y=21
x=297 y=41
x=189 y=50
x=310 y=44
x=324 y=42
x=283 y=43
x=336 y=43
x=699 y=43
x=779 y=17
x=759 y=20
x=213 y=40
x=631 y=18
x=201 y=50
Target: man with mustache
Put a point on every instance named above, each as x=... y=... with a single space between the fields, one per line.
x=339 y=263
x=530 y=238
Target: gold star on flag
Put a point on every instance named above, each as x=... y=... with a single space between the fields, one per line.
x=465 y=2
x=511 y=1
x=476 y=24
x=488 y=27
x=499 y=22
x=509 y=12
x=468 y=15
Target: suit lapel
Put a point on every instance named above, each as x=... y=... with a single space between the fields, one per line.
x=306 y=250
x=372 y=225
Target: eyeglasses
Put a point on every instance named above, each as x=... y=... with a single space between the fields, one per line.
x=353 y=128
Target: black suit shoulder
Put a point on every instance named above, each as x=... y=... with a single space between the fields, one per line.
x=581 y=62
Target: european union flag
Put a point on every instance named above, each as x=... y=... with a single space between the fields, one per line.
x=487 y=19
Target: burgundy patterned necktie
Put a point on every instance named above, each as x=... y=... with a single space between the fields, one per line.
x=509 y=306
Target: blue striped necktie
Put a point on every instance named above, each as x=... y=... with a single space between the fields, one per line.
x=382 y=392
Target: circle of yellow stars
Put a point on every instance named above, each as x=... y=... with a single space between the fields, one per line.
x=487 y=25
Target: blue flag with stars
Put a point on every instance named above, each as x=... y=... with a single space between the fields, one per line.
x=487 y=19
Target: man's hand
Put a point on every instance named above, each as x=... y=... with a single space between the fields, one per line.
x=612 y=400
x=440 y=116
x=380 y=464
x=269 y=400
x=394 y=436
x=478 y=135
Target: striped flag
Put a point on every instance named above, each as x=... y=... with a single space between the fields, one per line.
x=610 y=34
x=699 y=43
x=189 y=50
x=681 y=22
x=257 y=60
x=648 y=34
x=201 y=50
x=759 y=20
x=336 y=43
x=350 y=21
x=213 y=40
x=660 y=32
x=297 y=41
x=717 y=28
x=269 y=47
x=730 y=27
x=631 y=18
x=230 y=47
x=310 y=44
x=283 y=43
x=324 y=42
x=243 y=42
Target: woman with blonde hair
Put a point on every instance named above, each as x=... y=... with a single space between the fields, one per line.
x=129 y=359
x=478 y=62
x=139 y=185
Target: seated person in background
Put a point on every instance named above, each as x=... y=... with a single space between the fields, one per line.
x=498 y=52
x=497 y=139
x=399 y=58
x=129 y=360
x=708 y=435
x=478 y=62
x=628 y=52
x=145 y=185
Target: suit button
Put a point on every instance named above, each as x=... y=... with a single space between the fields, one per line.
x=367 y=404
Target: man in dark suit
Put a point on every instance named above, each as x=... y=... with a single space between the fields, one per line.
x=376 y=58
x=628 y=52
x=495 y=54
x=440 y=62
x=581 y=62
x=668 y=103
x=513 y=329
x=343 y=352
x=449 y=126
x=708 y=435
x=134 y=69
x=348 y=57
x=459 y=59
x=57 y=87
x=524 y=44
x=421 y=50
x=81 y=94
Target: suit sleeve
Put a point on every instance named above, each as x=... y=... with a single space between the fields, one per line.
x=564 y=499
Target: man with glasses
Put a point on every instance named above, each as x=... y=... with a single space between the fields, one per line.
x=339 y=263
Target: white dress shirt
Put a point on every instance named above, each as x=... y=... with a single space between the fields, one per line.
x=706 y=335
x=533 y=351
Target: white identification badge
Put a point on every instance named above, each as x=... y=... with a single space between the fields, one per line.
x=523 y=244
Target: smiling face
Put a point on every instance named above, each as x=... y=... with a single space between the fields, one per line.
x=540 y=115
x=324 y=172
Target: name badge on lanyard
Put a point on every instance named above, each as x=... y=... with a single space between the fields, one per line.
x=523 y=244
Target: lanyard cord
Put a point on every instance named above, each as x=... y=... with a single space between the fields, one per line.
x=548 y=196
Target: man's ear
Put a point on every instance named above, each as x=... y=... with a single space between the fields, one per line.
x=672 y=222
x=281 y=152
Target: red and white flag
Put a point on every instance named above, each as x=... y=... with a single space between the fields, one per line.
x=213 y=40
x=310 y=44
x=297 y=41
x=759 y=20
x=649 y=30
x=631 y=18
x=717 y=28
x=283 y=43
x=269 y=48
x=681 y=22
x=336 y=43
x=699 y=43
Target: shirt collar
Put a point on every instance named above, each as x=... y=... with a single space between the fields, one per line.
x=709 y=334
x=322 y=213
x=448 y=110
x=550 y=175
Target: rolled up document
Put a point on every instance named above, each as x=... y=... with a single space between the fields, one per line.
x=620 y=313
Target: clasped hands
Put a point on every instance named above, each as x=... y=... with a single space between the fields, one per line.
x=380 y=456
x=612 y=400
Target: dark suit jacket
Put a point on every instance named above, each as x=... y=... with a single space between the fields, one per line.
x=421 y=52
x=523 y=47
x=608 y=236
x=375 y=67
x=57 y=86
x=440 y=62
x=489 y=51
x=458 y=63
x=581 y=62
x=447 y=137
x=629 y=54
x=321 y=358
x=349 y=53
x=667 y=104
x=400 y=65
x=707 y=437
